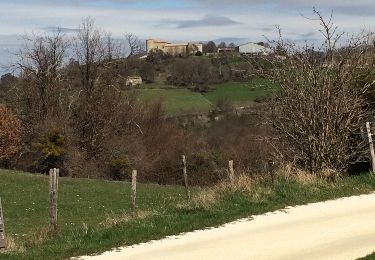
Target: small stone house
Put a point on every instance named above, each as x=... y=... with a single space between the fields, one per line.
x=133 y=81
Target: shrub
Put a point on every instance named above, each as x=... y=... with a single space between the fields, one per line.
x=198 y=53
x=10 y=133
x=318 y=112
x=118 y=166
x=51 y=150
x=225 y=104
x=192 y=72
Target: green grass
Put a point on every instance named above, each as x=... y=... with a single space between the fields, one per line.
x=241 y=94
x=84 y=204
x=369 y=257
x=177 y=101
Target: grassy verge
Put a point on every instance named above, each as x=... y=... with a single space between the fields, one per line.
x=94 y=215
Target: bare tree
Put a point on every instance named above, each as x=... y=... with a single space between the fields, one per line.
x=135 y=45
x=222 y=45
x=209 y=47
x=40 y=63
x=90 y=52
x=112 y=48
x=318 y=110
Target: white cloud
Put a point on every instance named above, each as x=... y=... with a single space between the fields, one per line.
x=249 y=19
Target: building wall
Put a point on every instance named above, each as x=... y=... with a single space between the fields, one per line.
x=253 y=48
x=176 y=50
x=154 y=44
x=133 y=81
x=193 y=48
x=228 y=50
x=182 y=49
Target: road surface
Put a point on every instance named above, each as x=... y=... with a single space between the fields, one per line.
x=339 y=229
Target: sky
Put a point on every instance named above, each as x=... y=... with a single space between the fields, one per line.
x=181 y=20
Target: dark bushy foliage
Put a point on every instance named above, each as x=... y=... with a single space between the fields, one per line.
x=51 y=150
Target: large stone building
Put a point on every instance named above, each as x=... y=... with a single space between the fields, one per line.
x=174 y=49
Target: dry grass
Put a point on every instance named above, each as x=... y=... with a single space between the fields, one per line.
x=113 y=220
x=13 y=246
x=41 y=236
x=250 y=186
x=290 y=173
x=208 y=197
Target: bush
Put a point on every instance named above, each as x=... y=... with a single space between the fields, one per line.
x=10 y=133
x=118 y=165
x=225 y=104
x=318 y=112
x=51 y=150
x=198 y=53
x=191 y=72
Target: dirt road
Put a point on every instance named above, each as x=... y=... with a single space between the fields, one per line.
x=340 y=229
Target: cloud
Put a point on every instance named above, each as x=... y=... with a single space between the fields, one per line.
x=60 y=29
x=209 y=20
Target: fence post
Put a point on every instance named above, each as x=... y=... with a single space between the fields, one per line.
x=53 y=188
x=185 y=177
x=2 y=228
x=231 y=171
x=369 y=135
x=134 y=191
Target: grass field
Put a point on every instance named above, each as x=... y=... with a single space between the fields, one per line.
x=183 y=101
x=94 y=214
x=241 y=94
x=177 y=101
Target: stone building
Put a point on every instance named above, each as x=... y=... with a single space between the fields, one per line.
x=174 y=49
x=133 y=81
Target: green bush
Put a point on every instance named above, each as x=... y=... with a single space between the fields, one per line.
x=198 y=53
x=119 y=166
x=51 y=151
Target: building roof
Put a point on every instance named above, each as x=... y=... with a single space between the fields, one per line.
x=176 y=44
x=252 y=47
x=158 y=40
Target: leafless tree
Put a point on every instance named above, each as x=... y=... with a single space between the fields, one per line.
x=319 y=109
x=112 y=48
x=135 y=45
x=40 y=63
x=90 y=52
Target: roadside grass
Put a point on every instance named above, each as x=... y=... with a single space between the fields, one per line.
x=177 y=101
x=241 y=94
x=94 y=214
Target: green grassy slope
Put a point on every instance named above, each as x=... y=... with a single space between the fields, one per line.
x=94 y=214
x=183 y=101
x=241 y=94
x=177 y=101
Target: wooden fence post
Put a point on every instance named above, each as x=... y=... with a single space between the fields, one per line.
x=369 y=135
x=2 y=228
x=185 y=177
x=53 y=188
x=134 y=191
x=231 y=171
